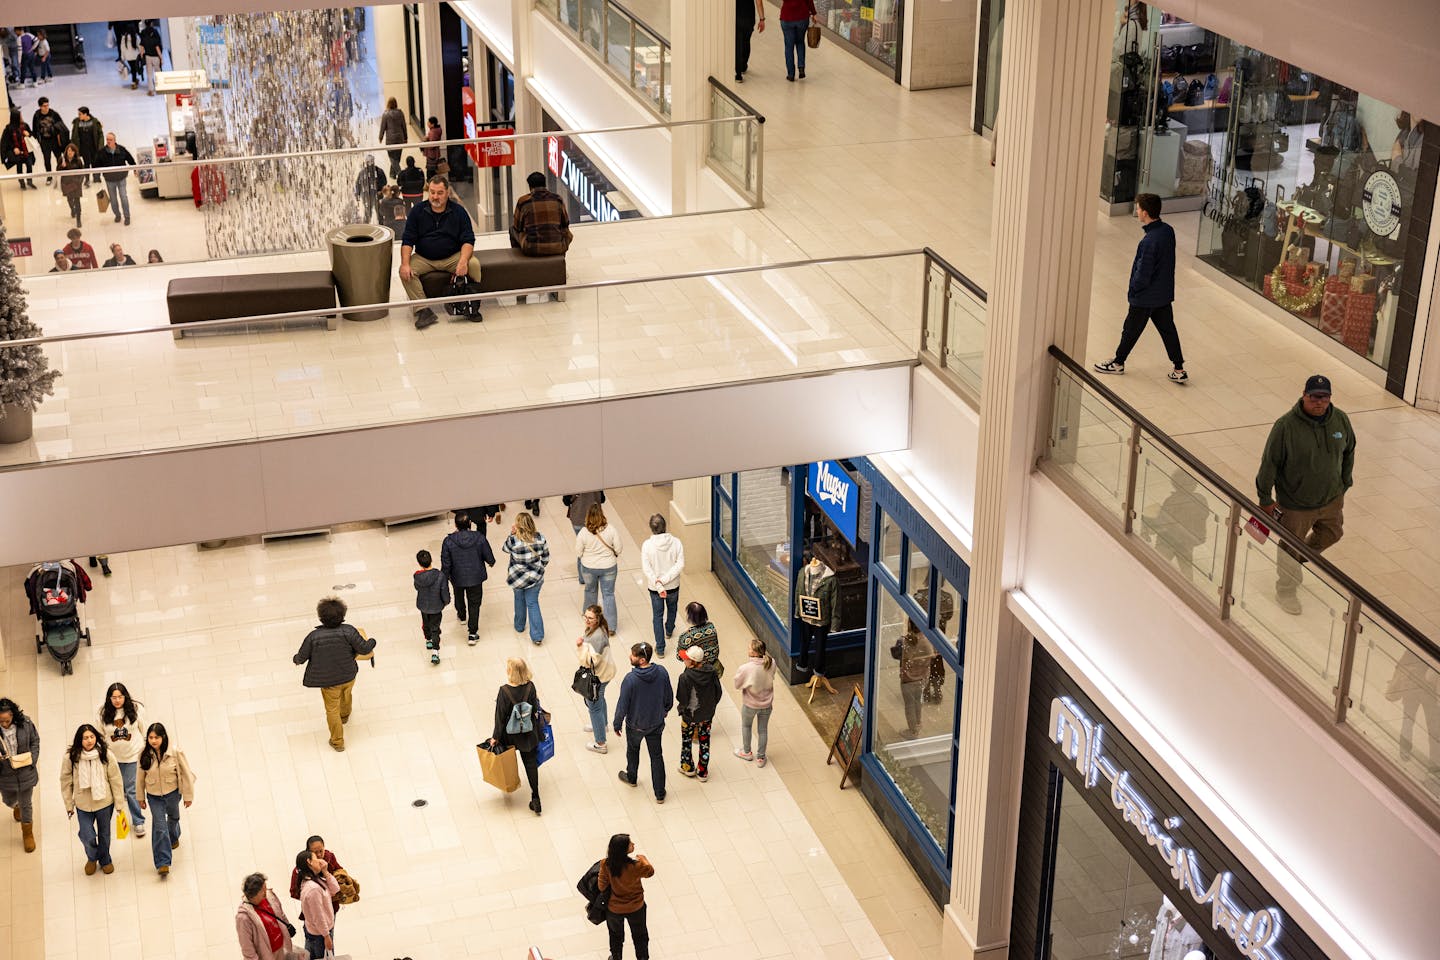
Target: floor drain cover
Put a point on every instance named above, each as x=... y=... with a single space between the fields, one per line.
x=419 y=803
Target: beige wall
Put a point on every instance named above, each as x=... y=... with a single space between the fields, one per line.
x=939 y=44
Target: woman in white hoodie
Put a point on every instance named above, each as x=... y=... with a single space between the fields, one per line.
x=755 y=679
x=123 y=727
x=593 y=651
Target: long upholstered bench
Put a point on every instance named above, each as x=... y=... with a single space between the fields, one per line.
x=192 y=299
x=505 y=269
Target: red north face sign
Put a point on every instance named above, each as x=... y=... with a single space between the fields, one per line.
x=497 y=152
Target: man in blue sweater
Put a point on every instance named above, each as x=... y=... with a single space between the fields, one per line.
x=437 y=238
x=1152 y=291
x=645 y=698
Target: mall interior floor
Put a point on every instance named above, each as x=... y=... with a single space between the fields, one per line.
x=757 y=863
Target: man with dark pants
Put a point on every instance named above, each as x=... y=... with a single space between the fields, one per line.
x=645 y=698
x=464 y=556
x=51 y=131
x=749 y=18
x=1152 y=291
x=662 y=558
x=1308 y=463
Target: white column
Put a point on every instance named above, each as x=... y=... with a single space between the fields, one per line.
x=690 y=521
x=433 y=60
x=702 y=44
x=1043 y=235
x=386 y=29
x=529 y=154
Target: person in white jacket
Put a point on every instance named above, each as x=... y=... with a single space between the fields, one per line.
x=662 y=558
x=123 y=726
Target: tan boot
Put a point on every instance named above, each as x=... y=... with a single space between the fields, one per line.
x=16 y=810
x=28 y=831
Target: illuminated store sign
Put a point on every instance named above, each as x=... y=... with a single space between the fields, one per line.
x=1254 y=932
x=578 y=182
x=838 y=496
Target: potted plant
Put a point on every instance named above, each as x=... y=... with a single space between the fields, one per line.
x=25 y=374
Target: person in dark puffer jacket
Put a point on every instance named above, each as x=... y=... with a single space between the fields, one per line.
x=464 y=556
x=329 y=653
x=432 y=596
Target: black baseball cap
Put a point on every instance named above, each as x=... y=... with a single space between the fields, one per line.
x=1318 y=384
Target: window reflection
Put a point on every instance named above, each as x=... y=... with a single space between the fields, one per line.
x=764 y=547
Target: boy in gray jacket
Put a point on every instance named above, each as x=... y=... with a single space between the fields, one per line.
x=432 y=596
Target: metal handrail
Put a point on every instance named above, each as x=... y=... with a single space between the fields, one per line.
x=954 y=271
x=635 y=19
x=1294 y=544
x=940 y=361
x=440 y=301
x=662 y=108
x=732 y=96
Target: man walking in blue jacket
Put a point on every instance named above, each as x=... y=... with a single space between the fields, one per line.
x=1152 y=291
x=645 y=698
x=464 y=556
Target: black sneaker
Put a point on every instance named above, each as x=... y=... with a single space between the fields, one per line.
x=425 y=317
x=1179 y=376
x=625 y=780
x=1110 y=366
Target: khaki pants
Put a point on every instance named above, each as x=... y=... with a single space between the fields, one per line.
x=419 y=266
x=1320 y=528
x=337 y=710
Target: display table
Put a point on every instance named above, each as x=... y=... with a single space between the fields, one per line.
x=172 y=179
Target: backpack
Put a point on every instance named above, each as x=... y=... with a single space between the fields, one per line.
x=522 y=718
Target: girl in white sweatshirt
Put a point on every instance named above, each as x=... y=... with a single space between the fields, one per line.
x=755 y=679
x=123 y=727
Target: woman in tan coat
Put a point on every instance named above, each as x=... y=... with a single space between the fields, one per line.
x=90 y=783
x=261 y=925
x=164 y=782
x=592 y=648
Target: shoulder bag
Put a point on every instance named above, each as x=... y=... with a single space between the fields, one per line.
x=812 y=36
x=17 y=760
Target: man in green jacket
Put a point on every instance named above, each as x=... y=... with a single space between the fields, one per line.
x=1308 y=463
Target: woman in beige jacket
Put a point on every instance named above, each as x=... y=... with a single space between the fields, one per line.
x=164 y=781
x=90 y=783
x=593 y=650
x=264 y=931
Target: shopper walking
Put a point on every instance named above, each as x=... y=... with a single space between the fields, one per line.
x=129 y=45
x=27 y=56
x=1152 y=291
x=51 y=131
x=123 y=728
x=623 y=876
x=87 y=133
x=433 y=155
x=645 y=699
x=165 y=783
x=393 y=129
x=329 y=652
x=599 y=546
x=662 y=558
x=15 y=149
x=42 y=58
x=592 y=648
x=464 y=555
x=432 y=596
x=317 y=887
x=529 y=556
x=749 y=18
x=702 y=634
x=90 y=784
x=19 y=755
x=519 y=722
x=696 y=695
x=795 y=17
x=117 y=158
x=368 y=184
x=577 y=508
x=263 y=929
x=72 y=186
x=1306 y=468
x=151 y=50
x=755 y=679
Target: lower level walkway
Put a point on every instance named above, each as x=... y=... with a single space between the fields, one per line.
x=756 y=863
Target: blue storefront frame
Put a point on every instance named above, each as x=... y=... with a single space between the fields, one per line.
x=931 y=859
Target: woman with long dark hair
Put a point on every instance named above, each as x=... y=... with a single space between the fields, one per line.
x=317 y=888
x=72 y=187
x=622 y=875
x=19 y=753
x=124 y=731
x=90 y=784
x=592 y=648
x=15 y=148
x=165 y=782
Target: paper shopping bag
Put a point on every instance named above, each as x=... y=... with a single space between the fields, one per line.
x=102 y=200
x=122 y=825
x=500 y=769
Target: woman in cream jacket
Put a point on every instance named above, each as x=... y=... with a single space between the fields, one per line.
x=593 y=651
x=164 y=782
x=90 y=784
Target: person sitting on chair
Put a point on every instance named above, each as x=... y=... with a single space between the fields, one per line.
x=438 y=237
x=540 y=227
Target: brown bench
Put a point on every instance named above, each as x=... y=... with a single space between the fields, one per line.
x=192 y=299
x=505 y=269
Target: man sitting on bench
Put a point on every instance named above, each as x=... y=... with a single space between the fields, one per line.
x=540 y=227
x=438 y=238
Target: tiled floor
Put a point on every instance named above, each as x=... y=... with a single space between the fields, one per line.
x=757 y=863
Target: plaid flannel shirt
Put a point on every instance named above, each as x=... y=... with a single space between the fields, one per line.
x=541 y=226
x=527 y=561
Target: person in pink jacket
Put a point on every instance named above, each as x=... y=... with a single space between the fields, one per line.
x=755 y=679
x=317 y=888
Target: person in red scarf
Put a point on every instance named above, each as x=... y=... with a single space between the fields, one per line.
x=261 y=925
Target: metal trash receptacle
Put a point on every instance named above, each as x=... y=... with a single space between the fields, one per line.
x=361 y=255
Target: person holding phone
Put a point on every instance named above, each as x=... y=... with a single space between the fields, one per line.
x=317 y=889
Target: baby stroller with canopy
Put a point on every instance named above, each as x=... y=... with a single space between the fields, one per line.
x=56 y=590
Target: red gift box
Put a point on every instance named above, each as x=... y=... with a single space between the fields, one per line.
x=1332 y=310
x=1269 y=279
x=1359 y=322
x=1292 y=270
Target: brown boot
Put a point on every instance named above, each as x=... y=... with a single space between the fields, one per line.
x=16 y=811
x=28 y=831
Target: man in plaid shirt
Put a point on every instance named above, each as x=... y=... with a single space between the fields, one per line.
x=540 y=227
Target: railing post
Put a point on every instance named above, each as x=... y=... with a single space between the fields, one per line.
x=759 y=164
x=1232 y=551
x=1132 y=470
x=925 y=301
x=1353 y=628
x=944 y=337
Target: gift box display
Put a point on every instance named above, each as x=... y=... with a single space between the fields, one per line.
x=1359 y=322
x=1332 y=305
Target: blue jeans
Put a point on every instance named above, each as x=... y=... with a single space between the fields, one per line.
x=127 y=773
x=119 y=198
x=602 y=581
x=597 y=713
x=45 y=72
x=165 y=828
x=651 y=738
x=315 y=944
x=27 y=67
x=527 y=602
x=794 y=34
x=664 y=608
x=95 y=833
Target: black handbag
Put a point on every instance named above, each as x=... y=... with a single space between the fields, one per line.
x=470 y=309
x=586 y=683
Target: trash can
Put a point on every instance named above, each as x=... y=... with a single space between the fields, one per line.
x=360 y=258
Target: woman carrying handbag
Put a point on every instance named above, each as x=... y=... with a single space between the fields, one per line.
x=519 y=722
x=795 y=17
x=593 y=650
x=265 y=933
x=599 y=547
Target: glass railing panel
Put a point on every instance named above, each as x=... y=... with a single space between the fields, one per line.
x=618 y=43
x=1181 y=517
x=934 y=309
x=1089 y=442
x=1293 y=612
x=965 y=337
x=665 y=74
x=592 y=25
x=569 y=13
x=1395 y=701
x=551 y=7
x=648 y=78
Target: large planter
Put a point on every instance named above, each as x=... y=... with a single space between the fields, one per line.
x=16 y=425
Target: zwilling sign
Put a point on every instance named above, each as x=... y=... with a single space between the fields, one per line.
x=585 y=191
x=836 y=494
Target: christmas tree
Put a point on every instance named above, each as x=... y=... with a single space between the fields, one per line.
x=25 y=374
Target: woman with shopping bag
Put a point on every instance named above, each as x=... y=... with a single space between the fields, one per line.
x=519 y=722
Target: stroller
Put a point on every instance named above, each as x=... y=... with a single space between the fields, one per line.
x=55 y=591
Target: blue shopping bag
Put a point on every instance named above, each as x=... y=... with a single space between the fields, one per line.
x=546 y=749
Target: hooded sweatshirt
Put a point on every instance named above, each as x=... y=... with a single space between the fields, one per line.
x=645 y=698
x=662 y=558
x=432 y=592
x=1307 y=462
x=756 y=683
x=464 y=556
x=698 y=692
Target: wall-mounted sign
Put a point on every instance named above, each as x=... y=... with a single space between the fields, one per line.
x=497 y=152
x=552 y=155
x=1381 y=203
x=836 y=494
x=1255 y=933
x=586 y=191
x=21 y=247
x=467 y=116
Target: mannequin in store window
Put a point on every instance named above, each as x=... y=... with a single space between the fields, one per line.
x=816 y=614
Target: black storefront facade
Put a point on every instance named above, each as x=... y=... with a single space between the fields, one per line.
x=1111 y=861
x=901 y=597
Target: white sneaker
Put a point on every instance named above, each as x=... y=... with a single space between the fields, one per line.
x=139 y=829
x=588 y=729
x=598 y=747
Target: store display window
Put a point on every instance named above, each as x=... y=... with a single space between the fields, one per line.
x=763 y=544
x=870 y=27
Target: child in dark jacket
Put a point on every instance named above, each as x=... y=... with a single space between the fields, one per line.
x=696 y=696
x=432 y=596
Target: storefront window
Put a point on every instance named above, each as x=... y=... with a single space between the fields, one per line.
x=764 y=547
x=869 y=25
x=913 y=726
x=918 y=586
x=890 y=544
x=950 y=614
x=723 y=515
